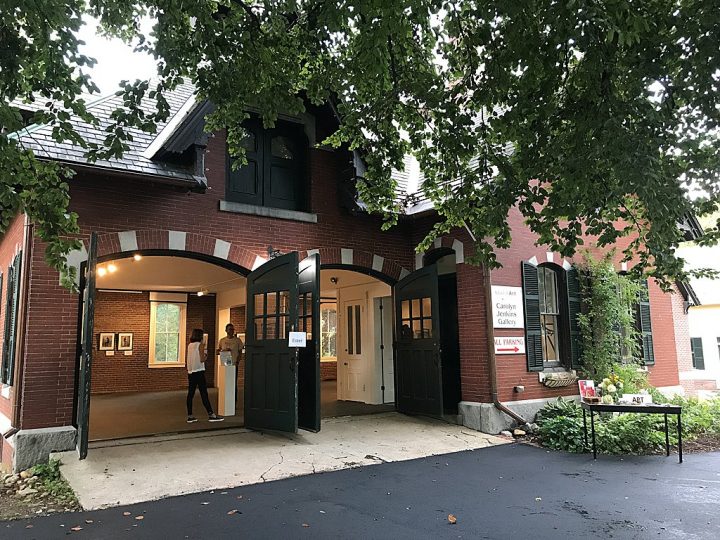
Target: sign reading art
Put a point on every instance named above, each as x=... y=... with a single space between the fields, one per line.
x=507 y=307
x=509 y=345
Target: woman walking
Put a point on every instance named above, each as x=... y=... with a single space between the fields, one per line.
x=195 y=361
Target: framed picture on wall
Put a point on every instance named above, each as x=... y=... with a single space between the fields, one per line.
x=125 y=341
x=106 y=341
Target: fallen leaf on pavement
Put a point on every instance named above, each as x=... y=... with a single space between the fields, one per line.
x=88 y=521
x=232 y=512
x=28 y=526
x=452 y=519
x=126 y=513
x=78 y=528
x=305 y=525
x=239 y=497
x=139 y=517
x=538 y=498
x=205 y=503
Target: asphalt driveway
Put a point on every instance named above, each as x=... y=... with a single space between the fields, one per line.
x=510 y=491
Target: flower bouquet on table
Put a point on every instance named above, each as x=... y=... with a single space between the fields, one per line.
x=611 y=389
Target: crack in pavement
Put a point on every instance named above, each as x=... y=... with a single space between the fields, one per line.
x=282 y=458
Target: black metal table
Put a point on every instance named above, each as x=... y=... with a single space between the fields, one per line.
x=646 y=409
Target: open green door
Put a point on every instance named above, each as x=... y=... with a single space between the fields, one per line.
x=271 y=368
x=309 y=356
x=418 y=369
x=86 y=349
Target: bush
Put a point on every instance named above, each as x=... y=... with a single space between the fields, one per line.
x=561 y=426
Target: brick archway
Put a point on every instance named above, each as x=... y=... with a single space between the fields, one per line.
x=444 y=242
x=354 y=259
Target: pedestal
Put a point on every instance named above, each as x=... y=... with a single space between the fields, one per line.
x=227 y=379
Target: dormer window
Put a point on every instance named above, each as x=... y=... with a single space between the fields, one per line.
x=275 y=173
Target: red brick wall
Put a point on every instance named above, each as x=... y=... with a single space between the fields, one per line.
x=108 y=204
x=328 y=370
x=130 y=312
x=512 y=369
x=10 y=243
x=238 y=320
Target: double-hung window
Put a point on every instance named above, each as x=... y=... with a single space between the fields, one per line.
x=168 y=316
x=549 y=315
x=328 y=331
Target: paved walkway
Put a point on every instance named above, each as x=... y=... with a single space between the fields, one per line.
x=151 y=469
x=504 y=492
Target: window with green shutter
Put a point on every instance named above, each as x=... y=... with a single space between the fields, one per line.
x=552 y=305
x=698 y=356
x=644 y=326
x=10 y=330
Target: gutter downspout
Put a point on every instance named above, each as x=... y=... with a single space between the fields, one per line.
x=22 y=308
x=491 y=352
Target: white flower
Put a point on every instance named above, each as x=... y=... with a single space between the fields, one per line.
x=611 y=388
x=607 y=399
x=606 y=381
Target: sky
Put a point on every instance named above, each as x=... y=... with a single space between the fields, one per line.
x=116 y=60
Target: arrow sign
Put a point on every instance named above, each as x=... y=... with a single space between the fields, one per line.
x=509 y=345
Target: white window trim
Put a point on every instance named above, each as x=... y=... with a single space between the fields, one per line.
x=168 y=298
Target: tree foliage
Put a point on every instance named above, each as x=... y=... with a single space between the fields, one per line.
x=590 y=116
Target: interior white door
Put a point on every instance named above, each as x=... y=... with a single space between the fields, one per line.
x=353 y=352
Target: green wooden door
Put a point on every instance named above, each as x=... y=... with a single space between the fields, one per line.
x=271 y=370
x=309 y=356
x=86 y=349
x=418 y=368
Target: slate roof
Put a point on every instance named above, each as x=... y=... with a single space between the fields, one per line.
x=39 y=139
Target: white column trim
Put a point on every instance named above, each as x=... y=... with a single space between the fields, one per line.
x=404 y=272
x=418 y=261
x=346 y=256
x=459 y=249
x=259 y=261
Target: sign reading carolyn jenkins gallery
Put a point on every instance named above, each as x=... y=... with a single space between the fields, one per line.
x=507 y=307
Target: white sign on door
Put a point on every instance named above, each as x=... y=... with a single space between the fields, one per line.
x=509 y=345
x=297 y=339
x=507 y=307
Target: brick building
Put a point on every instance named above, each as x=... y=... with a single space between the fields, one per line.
x=184 y=241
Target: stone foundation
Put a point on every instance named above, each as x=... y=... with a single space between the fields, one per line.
x=487 y=418
x=33 y=446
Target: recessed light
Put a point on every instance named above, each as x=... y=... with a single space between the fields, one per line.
x=200 y=293
x=101 y=271
x=137 y=257
x=111 y=268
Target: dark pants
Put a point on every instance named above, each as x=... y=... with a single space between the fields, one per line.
x=197 y=380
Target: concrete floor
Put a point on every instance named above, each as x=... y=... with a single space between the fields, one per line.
x=137 y=470
x=134 y=414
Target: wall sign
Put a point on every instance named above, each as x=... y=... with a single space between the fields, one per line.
x=297 y=339
x=507 y=307
x=509 y=345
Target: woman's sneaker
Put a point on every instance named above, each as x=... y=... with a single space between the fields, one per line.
x=191 y=420
x=215 y=418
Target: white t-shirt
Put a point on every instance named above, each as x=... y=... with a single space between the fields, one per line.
x=193 y=359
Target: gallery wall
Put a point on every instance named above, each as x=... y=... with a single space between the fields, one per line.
x=130 y=312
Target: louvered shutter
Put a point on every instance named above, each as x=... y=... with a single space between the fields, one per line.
x=533 y=338
x=698 y=357
x=11 y=307
x=574 y=304
x=645 y=326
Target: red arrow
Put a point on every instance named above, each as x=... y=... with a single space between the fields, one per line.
x=514 y=349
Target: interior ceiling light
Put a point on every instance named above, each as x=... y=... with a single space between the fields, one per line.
x=111 y=268
x=101 y=271
x=137 y=256
x=201 y=293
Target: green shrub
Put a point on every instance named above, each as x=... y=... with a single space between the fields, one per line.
x=52 y=482
x=561 y=426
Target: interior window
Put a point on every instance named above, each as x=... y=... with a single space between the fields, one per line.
x=549 y=314
x=167 y=333
x=328 y=331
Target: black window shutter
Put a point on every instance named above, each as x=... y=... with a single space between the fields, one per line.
x=574 y=305
x=698 y=357
x=11 y=306
x=645 y=326
x=533 y=338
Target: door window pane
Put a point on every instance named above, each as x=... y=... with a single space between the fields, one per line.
x=426 y=307
x=350 y=329
x=281 y=147
x=415 y=308
x=259 y=304
x=358 y=333
x=405 y=305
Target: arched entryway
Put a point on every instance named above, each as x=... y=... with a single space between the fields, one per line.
x=147 y=302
